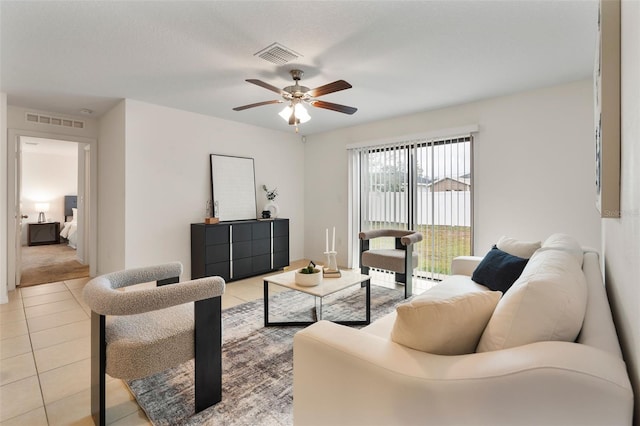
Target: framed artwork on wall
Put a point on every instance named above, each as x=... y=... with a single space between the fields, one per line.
x=606 y=80
x=233 y=187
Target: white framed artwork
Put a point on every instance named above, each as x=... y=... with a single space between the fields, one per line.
x=233 y=187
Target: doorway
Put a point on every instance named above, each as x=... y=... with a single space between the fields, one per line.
x=46 y=210
x=52 y=227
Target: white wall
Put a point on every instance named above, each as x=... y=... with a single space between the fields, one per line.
x=533 y=167
x=621 y=245
x=111 y=191
x=168 y=178
x=47 y=177
x=3 y=198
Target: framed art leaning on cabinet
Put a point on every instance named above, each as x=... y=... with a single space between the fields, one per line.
x=233 y=187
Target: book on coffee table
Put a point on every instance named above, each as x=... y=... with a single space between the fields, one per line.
x=331 y=273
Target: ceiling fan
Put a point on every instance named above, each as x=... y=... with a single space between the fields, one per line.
x=298 y=95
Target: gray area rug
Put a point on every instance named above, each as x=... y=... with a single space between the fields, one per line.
x=257 y=362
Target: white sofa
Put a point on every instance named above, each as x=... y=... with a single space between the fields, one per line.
x=346 y=376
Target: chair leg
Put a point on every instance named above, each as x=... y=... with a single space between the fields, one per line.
x=365 y=271
x=98 y=368
x=408 y=269
x=408 y=286
x=208 y=353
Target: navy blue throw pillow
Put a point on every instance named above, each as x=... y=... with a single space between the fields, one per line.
x=499 y=270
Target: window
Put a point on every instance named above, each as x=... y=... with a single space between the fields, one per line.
x=420 y=184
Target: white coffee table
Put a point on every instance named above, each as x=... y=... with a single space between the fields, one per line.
x=326 y=287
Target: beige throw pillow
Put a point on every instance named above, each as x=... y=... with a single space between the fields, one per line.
x=445 y=324
x=564 y=243
x=523 y=249
x=547 y=302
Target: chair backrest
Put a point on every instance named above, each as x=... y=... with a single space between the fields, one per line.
x=103 y=296
x=406 y=236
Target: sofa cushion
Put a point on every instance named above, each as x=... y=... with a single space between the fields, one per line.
x=564 y=243
x=547 y=302
x=523 y=249
x=498 y=270
x=445 y=320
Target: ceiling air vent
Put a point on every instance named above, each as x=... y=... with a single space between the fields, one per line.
x=33 y=117
x=277 y=54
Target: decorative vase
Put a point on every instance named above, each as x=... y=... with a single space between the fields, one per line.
x=309 y=280
x=273 y=208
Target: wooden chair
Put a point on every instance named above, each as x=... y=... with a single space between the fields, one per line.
x=144 y=331
x=401 y=259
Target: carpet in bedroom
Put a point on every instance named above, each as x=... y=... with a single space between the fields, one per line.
x=50 y=263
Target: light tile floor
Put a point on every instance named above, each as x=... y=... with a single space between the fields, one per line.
x=45 y=355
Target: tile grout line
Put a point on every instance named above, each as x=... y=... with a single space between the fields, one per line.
x=29 y=335
x=33 y=356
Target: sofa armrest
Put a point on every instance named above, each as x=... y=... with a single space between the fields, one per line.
x=465 y=265
x=350 y=377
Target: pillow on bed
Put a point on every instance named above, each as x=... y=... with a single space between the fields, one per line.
x=75 y=215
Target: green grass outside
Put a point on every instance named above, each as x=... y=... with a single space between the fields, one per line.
x=439 y=246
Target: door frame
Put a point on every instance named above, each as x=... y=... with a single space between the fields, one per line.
x=13 y=141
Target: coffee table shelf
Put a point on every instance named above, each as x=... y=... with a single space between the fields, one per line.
x=325 y=288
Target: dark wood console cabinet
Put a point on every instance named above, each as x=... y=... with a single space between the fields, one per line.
x=236 y=250
x=43 y=233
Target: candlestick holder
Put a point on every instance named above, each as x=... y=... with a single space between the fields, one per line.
x=332 y=263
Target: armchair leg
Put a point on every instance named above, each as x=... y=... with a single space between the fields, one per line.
x=408 y=269
x=408 y=286
x=98 y=369
x=365 y=271
x=208 y=353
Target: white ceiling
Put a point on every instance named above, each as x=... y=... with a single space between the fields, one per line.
x=401 y=57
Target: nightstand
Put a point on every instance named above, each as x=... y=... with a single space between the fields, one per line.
x=44 y=233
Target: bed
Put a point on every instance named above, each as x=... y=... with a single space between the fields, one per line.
x=70 y=228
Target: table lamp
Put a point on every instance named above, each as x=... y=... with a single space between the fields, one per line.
x=42 y=208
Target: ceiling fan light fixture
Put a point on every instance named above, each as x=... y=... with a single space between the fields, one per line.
x=297 y=95
x=301 y=114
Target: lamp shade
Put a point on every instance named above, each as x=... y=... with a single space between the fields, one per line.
x=42 y=207
x=301 y=114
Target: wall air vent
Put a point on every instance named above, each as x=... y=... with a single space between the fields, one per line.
x=277 y=54
x=32 y=117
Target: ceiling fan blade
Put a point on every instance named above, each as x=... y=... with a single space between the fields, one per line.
x=336 y=86
x=266 y=86
x=334 y=107
x=240 y=108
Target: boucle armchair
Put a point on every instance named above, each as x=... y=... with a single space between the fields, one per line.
x=140 y=332
x=401 y=260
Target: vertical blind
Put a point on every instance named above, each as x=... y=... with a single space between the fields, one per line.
x=419 y=184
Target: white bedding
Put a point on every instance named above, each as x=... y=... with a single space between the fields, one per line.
x=69 y=230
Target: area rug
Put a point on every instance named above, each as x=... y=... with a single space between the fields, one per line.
x=257 y=362
x=50 y=263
